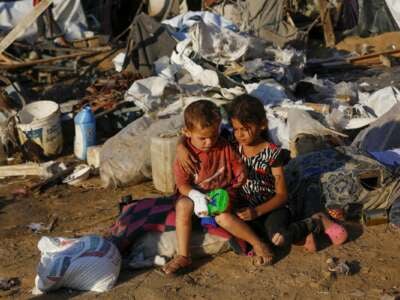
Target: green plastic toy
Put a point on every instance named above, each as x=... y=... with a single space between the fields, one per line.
x=219 y=201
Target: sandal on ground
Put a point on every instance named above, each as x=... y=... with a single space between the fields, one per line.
x=264 y=257
x=177 y=265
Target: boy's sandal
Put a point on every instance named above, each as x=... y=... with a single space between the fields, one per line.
x=177 y=265
x=264 y=258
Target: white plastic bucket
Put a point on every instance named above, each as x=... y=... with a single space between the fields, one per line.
x=40 y=122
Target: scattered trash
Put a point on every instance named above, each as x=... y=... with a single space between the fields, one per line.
x=41 y=228
x=8 y=283
x=338 y=267
x=80 y=173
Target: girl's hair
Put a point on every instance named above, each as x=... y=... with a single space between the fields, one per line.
x=248 y=110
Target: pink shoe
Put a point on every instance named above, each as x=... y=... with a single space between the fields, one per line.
x=337 y=233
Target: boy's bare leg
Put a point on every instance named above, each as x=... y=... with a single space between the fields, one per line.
x=240 y=229
x=184 y=211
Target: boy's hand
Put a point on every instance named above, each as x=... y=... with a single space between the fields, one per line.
x=247 y=214
x=186 y=159
x=200 y=203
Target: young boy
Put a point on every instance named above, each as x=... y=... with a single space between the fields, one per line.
x=219 y=167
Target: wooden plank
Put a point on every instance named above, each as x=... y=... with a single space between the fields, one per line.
x=28 y=169
x=26 y=22
x=329 y=34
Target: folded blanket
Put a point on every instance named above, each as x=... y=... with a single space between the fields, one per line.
x=155 y=214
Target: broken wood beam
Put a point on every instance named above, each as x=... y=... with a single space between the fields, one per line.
x=329 y=34
x=29 y=169
x=374 y=58
x=24 y=24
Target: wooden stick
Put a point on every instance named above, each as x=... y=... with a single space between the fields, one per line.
x=49 y=60
x=26 y=21
x=6 y=59
x=329 y=34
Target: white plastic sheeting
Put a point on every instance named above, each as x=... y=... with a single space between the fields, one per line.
x=218 y=45
x=269 y=92
x=183 y=22
x=382 y=100
x=394 y=7
x=69 y=15
x=147 y=93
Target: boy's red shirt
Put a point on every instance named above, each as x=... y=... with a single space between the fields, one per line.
x=218 y=168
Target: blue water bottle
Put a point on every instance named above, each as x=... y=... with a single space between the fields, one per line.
x=85 y=132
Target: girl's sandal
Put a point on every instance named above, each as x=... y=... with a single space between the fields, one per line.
x=264 y=257
x=179 y=264
x=336 y=232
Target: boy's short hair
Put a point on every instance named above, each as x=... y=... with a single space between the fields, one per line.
x=202 y=113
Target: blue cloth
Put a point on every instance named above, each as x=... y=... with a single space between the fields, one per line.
x=209 y=222
x=390 y=158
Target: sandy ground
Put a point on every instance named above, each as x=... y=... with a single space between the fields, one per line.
x=373 y=253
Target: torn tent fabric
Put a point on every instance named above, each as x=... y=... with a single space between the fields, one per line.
x=155 y=214
x=148 y=41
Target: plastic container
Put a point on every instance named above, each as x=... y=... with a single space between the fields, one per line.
x=375 y=217
x=40 y=122
x=163 y=150
x=93 y=156
x=85 y=132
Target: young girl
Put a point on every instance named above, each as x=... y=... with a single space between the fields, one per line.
x=263 y=196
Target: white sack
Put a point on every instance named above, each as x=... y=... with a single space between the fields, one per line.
x=125 y=158
x=89 y=263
